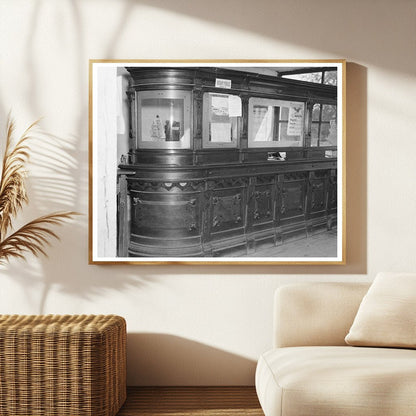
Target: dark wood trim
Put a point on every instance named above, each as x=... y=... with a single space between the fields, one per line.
x=306 y=71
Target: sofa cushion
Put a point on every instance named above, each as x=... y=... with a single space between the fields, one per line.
x=315 y=313
x=341 y=381
x=387 y=314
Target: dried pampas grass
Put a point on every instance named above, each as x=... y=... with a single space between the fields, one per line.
x=34 y=236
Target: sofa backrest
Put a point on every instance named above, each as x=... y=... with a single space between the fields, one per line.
x=308 y=314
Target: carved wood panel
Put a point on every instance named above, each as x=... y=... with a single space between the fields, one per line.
x=318 y=192
x=317 y=196
x=170 y=216
x=261 y=204
x=292 y=198
x=227 y=210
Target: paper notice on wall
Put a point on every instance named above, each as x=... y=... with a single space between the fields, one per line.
x=222 y=83
x=220 y=132
x=234 y=106
x=220 y=105
x=295 y=122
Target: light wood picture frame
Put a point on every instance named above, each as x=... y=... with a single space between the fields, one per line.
x=259 y=177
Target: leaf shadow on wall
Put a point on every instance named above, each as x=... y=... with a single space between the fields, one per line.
x=58 y=178
x=75 y=144
x=333 y=27
x=163 y=359
x=53 y=187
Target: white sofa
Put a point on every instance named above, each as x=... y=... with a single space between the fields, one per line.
x=311 y=371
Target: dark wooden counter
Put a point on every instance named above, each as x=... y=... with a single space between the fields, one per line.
x=230 y=210
x=222 y=199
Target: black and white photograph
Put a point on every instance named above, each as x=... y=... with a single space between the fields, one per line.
x=217 y=162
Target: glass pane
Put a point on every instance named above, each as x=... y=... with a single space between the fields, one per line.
x=223 y=112
x=314 y=134
x=263 y=118
x=284 y=114
x=283 y=131
x=324 y=130
x=311 y=77
x=328 y=136
x=329 y=112
x=330 y=77
x=275 y=123
x=162 y=119
x=328 y=133
x=315 y=112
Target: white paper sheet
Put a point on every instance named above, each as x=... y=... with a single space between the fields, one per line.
x=220 y=105
x=221 y=132
x=234 y=106
x=294 y=125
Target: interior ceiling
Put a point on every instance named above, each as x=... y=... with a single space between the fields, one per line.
x=272 y=70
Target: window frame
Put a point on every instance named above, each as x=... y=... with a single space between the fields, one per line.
x=320 y=121
x=184 y=143
x=206 y=142
x=274 y=103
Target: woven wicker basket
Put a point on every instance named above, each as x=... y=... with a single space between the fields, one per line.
x=52 y=365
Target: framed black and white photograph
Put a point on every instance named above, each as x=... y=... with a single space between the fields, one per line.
x=203 y=162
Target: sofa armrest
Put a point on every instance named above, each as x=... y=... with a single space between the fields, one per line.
x=315 y=313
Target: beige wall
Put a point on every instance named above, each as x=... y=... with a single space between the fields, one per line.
x=204 y=325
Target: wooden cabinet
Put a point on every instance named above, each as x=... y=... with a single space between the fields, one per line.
x=224 y=172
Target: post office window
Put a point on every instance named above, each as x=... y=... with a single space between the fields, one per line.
x=275 y=123
x=221 y=120
x=324 y=125
x=164 y=119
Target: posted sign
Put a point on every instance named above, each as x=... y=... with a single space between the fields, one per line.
x=294 y=125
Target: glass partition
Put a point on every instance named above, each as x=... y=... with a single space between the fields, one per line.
x=164 y=119
x=221 y=116
x=324 y=125
x=275 y=123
